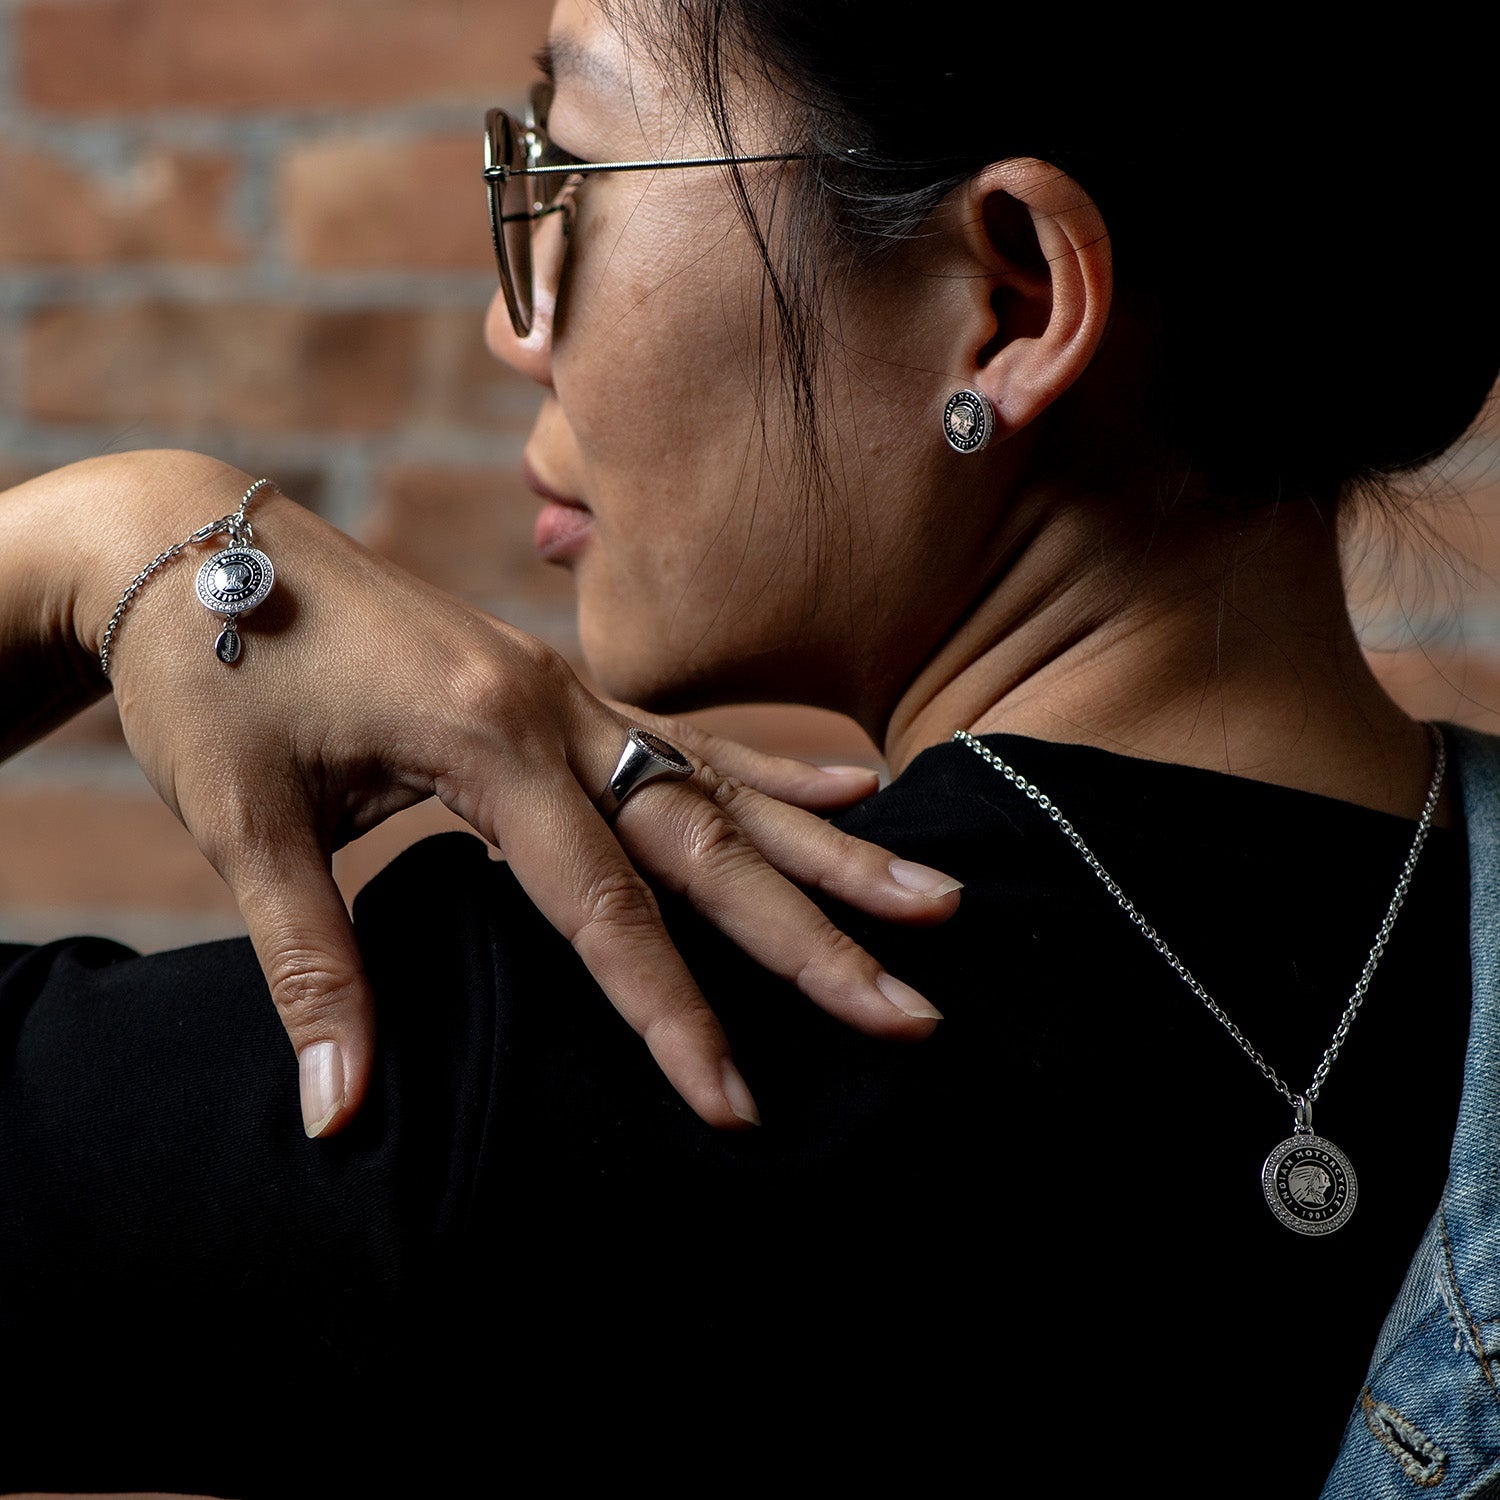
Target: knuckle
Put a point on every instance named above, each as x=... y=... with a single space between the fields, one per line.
x=615 y=902
x=833 y=851
x=832 y=952
x=712 y=837
x=477 y=683
x=502 y=677
x=693 y=740
x=695 y=844
x=546 y=664
x=307 y=987
x=726 y=792
x=689 y=1027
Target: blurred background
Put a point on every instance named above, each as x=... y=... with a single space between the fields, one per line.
x=259 y=230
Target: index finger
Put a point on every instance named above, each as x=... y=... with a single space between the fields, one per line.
x=301 y=932
x=688 y=840
x=570 y=865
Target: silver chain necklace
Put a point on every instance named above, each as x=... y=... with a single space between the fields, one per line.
x=1308 y=1182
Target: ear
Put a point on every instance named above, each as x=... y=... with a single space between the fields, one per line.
x=1040 y=285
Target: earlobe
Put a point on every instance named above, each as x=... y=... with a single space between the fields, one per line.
x=1043 y=253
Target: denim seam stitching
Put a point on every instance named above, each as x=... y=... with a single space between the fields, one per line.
x=1479 y=1350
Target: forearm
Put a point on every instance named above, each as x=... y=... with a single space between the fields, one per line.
x=70 y=542
x=44 y=676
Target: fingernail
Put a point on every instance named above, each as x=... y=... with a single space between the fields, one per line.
x=923 y=879
x=863 y=771
x=738 y=1095
x=320 y=1073
x=906 y=999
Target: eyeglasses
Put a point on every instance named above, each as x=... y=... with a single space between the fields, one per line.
x=528 y=178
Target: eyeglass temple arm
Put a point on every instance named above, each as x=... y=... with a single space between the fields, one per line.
x=587 y=169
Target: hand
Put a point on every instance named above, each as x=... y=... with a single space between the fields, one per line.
x=363 y=690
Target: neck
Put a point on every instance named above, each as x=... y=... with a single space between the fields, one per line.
x=1219 y=641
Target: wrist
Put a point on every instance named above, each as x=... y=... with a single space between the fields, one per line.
x=124 y=512
x=63 y=538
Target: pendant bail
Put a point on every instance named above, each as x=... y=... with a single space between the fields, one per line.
x=1304 y=1115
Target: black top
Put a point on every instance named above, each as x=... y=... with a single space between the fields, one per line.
x=1036 y=1240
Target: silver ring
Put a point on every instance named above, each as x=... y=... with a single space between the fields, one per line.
x=646 y=757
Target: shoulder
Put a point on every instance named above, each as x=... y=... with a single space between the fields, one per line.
x=1476 y=761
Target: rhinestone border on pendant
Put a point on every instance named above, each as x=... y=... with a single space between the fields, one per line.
x=1310 y=1185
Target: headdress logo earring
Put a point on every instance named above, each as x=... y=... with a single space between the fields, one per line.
x=968 y=421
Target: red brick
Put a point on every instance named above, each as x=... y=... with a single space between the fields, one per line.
x=469 y=532
x=368 y=203
x=255 y=367
x=169 y=205
x=104 y=56
x=357 y=863
x=467 y=386
x=81 y=845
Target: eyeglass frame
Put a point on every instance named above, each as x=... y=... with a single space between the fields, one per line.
x=502 y=128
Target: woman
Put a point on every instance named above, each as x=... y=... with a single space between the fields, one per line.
x=1022 y=412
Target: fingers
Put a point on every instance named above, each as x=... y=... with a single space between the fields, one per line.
x=581 y=880
x=302 y=935
x=692 y=844
x=802 y=846
x=813 y=853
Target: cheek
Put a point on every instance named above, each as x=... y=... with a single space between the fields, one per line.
x=656 y=369
x=713 y=563
x=657 y=333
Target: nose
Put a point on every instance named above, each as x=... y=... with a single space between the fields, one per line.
x=530 y=356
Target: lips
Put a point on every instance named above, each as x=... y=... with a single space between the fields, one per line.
x=564 y=525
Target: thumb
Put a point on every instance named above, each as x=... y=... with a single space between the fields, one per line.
x=302 y=935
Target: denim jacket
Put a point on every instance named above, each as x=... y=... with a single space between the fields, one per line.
x=1427 y=1426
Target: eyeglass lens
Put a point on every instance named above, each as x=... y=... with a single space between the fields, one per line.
x=510 y=221
x=516 y=204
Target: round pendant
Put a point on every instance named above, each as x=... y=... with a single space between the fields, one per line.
x=234 y=581
x=1309 y=1185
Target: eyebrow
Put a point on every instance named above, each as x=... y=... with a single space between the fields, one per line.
x=560 y=57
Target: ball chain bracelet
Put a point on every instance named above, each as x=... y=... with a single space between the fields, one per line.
x=231 y=583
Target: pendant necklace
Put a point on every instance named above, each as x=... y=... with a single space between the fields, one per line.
x=1308 y=1182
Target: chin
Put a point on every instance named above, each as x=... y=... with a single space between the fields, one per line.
x=659 y=691
x=642 y=673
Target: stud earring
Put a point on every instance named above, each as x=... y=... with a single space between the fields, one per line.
x=968 y=421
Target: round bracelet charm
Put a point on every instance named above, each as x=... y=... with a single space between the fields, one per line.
x=234 y=581
x=1310 y=1185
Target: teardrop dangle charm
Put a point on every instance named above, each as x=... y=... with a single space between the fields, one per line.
x=227 y=647
x=232 y=583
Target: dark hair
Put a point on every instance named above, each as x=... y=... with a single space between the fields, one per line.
x=1302 y=221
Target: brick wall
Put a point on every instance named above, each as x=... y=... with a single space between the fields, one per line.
x=258 y=230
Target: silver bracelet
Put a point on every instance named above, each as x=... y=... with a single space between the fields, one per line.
x=231 y=583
